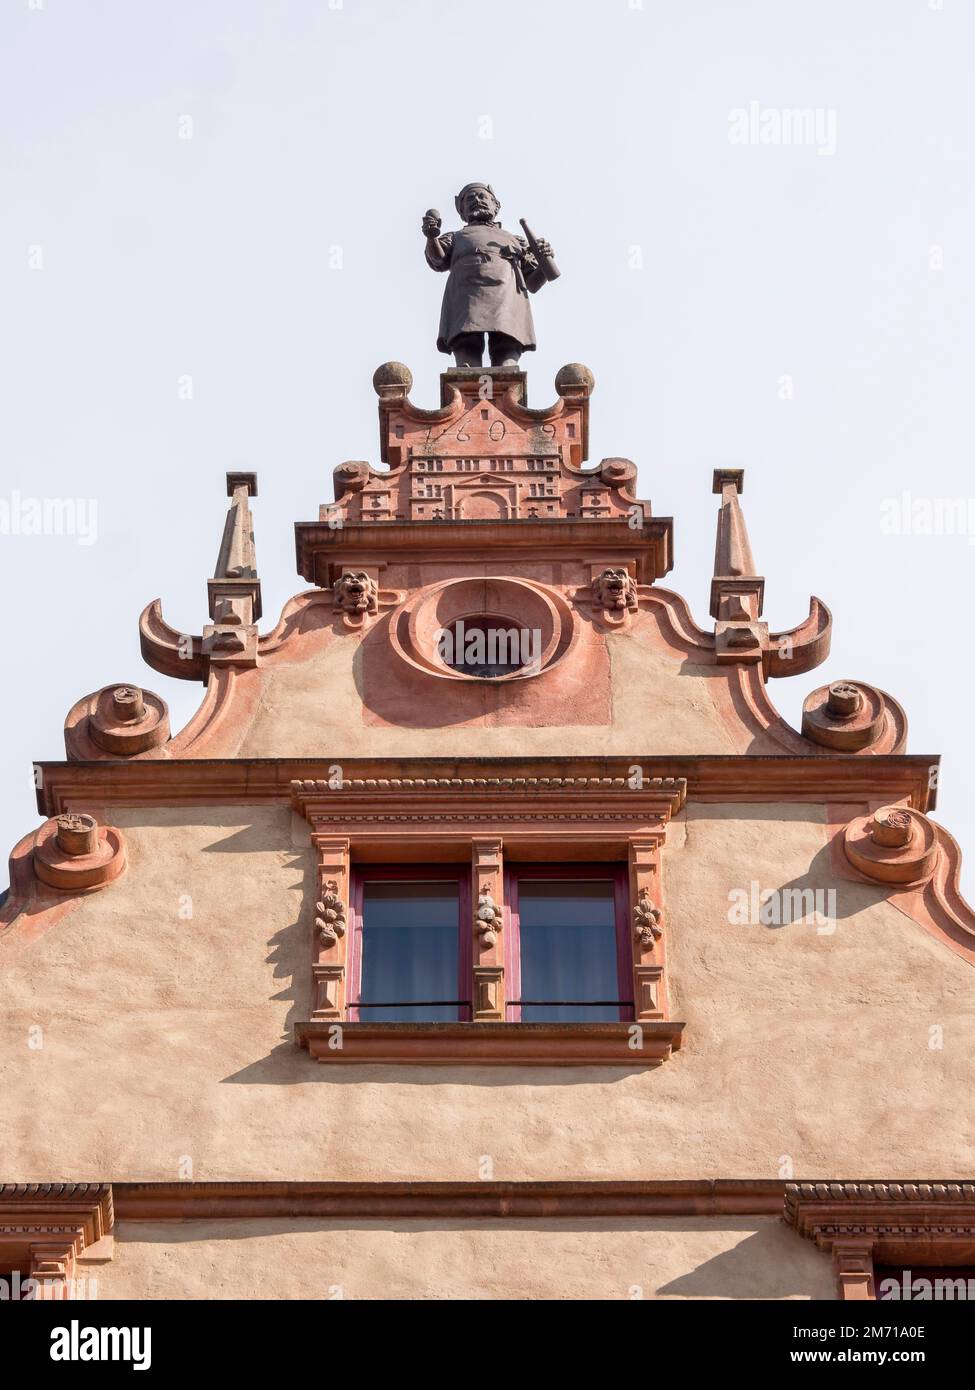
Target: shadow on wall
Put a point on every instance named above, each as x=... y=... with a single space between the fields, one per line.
x=290 y=950
x=288 y=1065
x=557 y=1257
x=393 y=692
x=771 y=1262
x=816 y=898
x=239 y=920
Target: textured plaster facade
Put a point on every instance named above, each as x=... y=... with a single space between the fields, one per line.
x=687 y=1258
x=195 y=1058
x=171 y=971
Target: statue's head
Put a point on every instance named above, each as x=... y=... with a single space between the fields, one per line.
x=476 y=203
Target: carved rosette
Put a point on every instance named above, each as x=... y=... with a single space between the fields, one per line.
x=74 y=854
x=331 y=915
x=895 y=844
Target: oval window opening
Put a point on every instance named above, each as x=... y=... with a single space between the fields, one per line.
x=488 y=646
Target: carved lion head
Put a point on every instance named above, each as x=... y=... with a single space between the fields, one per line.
x=356 y=592
x=614 y=588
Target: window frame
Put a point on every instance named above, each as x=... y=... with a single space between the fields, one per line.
x=411 y=873
x=615 y=872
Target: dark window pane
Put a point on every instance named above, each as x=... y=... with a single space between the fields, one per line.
x=410 y=946
x=483 y=645
x=568 y=950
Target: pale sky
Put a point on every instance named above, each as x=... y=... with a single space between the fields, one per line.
x=806 y=311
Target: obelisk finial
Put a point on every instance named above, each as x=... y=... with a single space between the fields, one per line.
x=235 y=590
x=737 y=592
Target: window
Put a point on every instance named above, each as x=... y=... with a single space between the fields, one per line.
x=411 y=953
x=487 y=646
x=567 y=959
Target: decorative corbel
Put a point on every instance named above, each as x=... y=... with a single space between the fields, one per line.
x=52 y=1267
x=487 y=877
x=853 y=1269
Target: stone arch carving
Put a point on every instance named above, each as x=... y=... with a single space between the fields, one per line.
x=482 y=505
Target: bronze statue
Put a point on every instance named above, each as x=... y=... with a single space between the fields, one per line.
x=490 y=275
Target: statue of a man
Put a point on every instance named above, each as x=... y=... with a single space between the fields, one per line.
x=491 y=273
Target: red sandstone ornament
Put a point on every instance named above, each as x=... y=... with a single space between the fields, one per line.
x=122 y=721
x=852 y=717
x=74 y=854
x=646 y=919
x=894 y=844
x=331 y=919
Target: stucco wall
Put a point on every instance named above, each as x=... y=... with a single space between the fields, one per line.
x=167 y=1046
x=331 y=693
x=672 y=1258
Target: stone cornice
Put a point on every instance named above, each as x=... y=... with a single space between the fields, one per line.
x=321 y=549
x=839 y=778
x=492 y=1044
x=866 y=1223
x=64 y=1218
x=161 y=1201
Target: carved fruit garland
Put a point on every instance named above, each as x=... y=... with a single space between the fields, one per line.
x=331 y=919
x=646 y=916
x=487 y=918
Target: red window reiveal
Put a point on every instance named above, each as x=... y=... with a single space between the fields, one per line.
x=410 y=953
x=566 y=948
x=567 y=957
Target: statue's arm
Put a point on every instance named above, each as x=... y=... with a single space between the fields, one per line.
x=534 y=278
x=437 y=251
x=438 y=248
x=530 y=269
